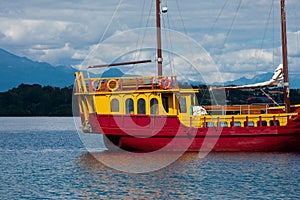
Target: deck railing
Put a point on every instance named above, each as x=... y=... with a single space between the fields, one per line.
x=94 y=85
x=209 y=121
x=238 y=109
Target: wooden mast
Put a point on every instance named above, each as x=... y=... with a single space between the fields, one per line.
x=158 y=34
x=285 y=58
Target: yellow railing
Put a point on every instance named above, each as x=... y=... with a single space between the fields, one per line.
x=207 y=121
x=94 y=85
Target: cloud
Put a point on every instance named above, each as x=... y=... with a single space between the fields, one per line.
x=55 y=54
x=214 y=41
x=294 y=43
x=68 y=32
x=51 y=24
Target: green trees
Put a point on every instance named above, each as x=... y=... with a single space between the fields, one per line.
x=35 y=100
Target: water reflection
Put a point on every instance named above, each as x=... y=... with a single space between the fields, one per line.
x=191 y=159
x=96 y=160
x=160 y=184
x=218 y=175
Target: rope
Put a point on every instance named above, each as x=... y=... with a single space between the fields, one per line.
x=111 y=19
x=187 y=39
x=218 y=16
x=232 y=23
x=168 y=38
x=171 y=48
x=181 y=18
x=141 y=22
x=144 y=35
x=264 y=36
x=297 y=26
x=269 y=97
x=104 y=33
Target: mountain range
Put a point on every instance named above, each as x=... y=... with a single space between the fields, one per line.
x=293 y=79
x=15 y=70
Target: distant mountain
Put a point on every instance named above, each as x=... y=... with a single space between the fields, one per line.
x=245 y=81
x=15 y=70
x=293 y=78
x=113 y=72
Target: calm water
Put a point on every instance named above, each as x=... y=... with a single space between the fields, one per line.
x=44 y=158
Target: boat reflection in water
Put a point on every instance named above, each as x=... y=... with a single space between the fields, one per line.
x=229 y=175
x=135 y=162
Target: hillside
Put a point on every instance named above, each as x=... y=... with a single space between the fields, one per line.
x=15 y=70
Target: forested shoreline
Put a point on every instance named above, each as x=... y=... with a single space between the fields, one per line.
x=37 y=100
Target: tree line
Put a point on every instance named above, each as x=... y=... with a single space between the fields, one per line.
x=37 y=100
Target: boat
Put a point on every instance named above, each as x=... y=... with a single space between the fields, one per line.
x=150 y=113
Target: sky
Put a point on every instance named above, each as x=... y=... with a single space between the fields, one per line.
x=218 y=39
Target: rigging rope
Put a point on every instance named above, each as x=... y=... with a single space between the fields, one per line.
x=145 y=30
x=111 y=19
x=273 y=52
x=168 y=37
x=297 y=26
x=269 y=97
x=193 y=55
x=232 y=23
x=137 y=55
x=218 y=17
x=171 y=49
x=181 y=18
x=104 y=33
x=264 y=36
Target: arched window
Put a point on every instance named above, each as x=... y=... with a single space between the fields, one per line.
x=165 y=103
x=262 y=123
x=153 y=106
x=182 y=104
x=274 y=124
x=250 y=123
x=141 y=106
x=223 y=124
x=236 y=124
x=129 y=106
x=114 y=105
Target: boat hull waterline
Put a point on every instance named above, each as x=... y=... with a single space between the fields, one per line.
x=263 y=138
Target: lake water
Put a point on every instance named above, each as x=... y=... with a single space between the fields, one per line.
x=43 y=158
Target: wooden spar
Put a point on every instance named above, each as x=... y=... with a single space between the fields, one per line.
x=158 y=35
x=118 y=64
x=285 y=58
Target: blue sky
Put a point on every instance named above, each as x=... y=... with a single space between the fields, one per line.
x=230 y=33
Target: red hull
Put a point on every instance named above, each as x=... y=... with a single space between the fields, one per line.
x=144 y=133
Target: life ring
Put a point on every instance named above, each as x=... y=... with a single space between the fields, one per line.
x=97 y=87
x=164 y=83
x=112 y=85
